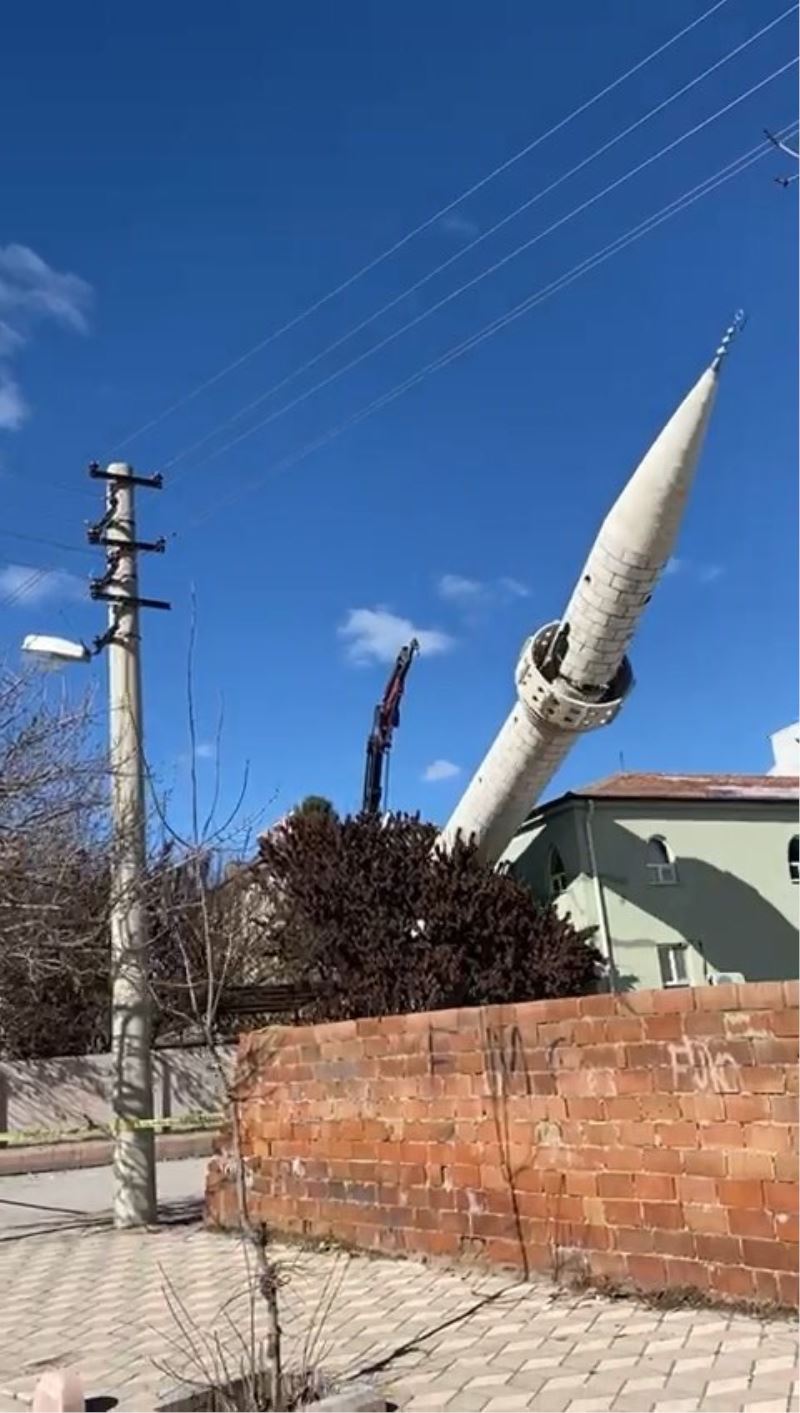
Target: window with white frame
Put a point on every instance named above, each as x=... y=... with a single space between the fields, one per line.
x=672 y=961
x=660 y=863
x=794 y=858
x=557 y=873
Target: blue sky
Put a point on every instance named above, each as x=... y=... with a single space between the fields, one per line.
x=185 y=179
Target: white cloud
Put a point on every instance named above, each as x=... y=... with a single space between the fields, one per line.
x=456 y=224
x=514 y=588
x=31 y=292
x=31 y=287
x=10 y=340
x=26 y=585
x=377 y=635
x=440 y=770
x=709 y=573
x=703 y=573
x=479 y=593
x=457 y=589
x=13 y=407
x=203 y=750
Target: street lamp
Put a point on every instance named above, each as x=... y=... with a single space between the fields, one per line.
x=51 y=654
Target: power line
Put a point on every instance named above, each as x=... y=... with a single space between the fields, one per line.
x=615 y=247
x=61 y=487
x=418 y=230
x=679 y=204
x=498 y=264
x=25 y=585
x=485 y=235
x=36 y=575
x=696 y=193
x=40 y=540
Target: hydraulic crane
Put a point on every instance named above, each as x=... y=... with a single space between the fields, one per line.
x=386 y=718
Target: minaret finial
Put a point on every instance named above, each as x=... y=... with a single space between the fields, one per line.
x=734 y=328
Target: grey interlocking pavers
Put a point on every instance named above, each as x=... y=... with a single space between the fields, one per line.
x=435 y=1338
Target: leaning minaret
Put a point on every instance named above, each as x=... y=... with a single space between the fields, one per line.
x=574 y=675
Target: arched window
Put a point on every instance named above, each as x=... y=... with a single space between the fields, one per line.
x=660 y=863
x=557 y=872
x=794 y=858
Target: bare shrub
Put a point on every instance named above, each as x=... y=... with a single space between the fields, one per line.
x=375 y=921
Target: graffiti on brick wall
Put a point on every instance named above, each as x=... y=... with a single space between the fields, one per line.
x=554 y=1054
x=506 y=1058
x=508 y=1067
x=708 y=1071
x=570 y=1058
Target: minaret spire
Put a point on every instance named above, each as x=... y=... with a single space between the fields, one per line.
x=574 y=675
x=735 y=327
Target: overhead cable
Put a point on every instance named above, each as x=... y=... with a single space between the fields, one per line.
x=41 y=540
x=24 y=586
x=290 y=377
x=673 y=208
x=615 y=247
x=498 y=264
x=418 y=229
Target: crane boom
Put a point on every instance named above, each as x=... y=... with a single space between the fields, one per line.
x=384 y=721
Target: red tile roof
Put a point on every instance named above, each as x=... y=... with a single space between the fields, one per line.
x=630 y=786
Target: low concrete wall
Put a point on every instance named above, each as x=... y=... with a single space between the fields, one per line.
x=75 y=1090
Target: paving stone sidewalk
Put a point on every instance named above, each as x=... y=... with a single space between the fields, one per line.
x=435 y=1338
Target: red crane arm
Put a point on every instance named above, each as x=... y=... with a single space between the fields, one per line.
x=387 y=716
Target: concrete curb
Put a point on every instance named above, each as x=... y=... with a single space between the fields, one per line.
x=96 y=1153
x=360 y=1396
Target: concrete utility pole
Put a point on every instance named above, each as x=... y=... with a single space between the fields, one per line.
x=134 y=1202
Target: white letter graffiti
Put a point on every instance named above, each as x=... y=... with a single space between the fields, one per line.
x=719 y=1073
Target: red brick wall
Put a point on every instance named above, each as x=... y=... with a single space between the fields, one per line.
x=649 y=1138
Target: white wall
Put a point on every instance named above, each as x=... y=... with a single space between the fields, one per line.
x=786 y=750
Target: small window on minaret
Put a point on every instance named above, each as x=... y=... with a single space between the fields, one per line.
x=660 y=863
x=794 y=858
x=558 y=873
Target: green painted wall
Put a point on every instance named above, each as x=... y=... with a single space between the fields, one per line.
x=733 y=904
